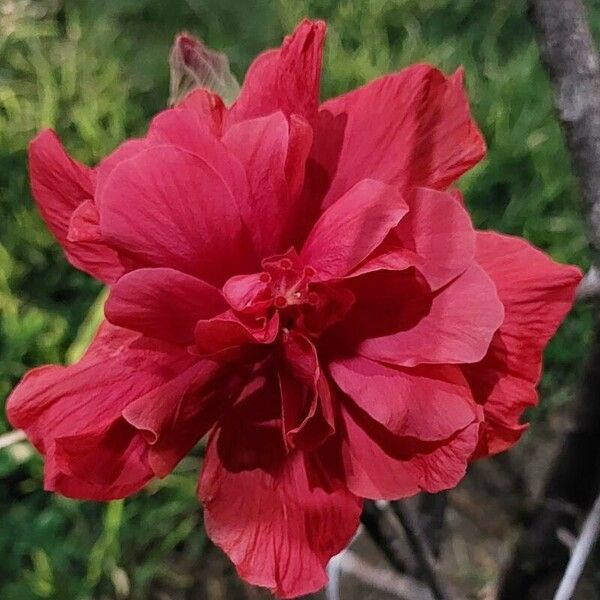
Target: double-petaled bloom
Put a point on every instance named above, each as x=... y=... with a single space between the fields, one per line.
x=298 y=281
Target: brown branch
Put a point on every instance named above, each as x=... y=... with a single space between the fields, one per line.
x=420 y=547
x=390 y=545
x=388 y=527
x=432 y=510
x=571 y=60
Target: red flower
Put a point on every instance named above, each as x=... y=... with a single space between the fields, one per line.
x=296 y=280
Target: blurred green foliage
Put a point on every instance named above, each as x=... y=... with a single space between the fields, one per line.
x=97 y=71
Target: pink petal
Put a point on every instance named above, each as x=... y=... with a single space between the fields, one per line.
x=251 y=435
x=284 y=536
x=60 y=185
x=436 y=237
x=307 y=411
x=382 y=466
x=208 y=106
x=168 y=208
x=163 y=303
x=227 y=331
x=175 y=416
x=352 y=228
x=410 y=129
x=248 y=293
x=100 y=465
x=385 y=303
x=286 y=79
x=537 y=293
x=61 y=407
x=390 y=256
x=262 y=147
x=430 y=402
x=439 y=231
x=184 y=129
x=84 y=225
x=126 y=150
x=458 y=327
x=155 y=432
x=299 y=146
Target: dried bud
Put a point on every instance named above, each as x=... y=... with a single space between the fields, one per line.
x=194 y=65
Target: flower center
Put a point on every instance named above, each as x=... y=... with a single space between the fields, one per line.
x=289 y=282
x=293 y=290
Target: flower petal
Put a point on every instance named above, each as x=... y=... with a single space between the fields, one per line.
x=537 y=293
x=174 y=417
x=227 y=331
x=126 y=150
x=430 y=402
x=208 y=106
x=154 y=433
x=381 y=466
x=248 y=293
x=457 y=329
x=307 y=411
x=436 y=237
x=163 y=303
x=262 y=147
x=60 y=185
x=352 y=228
x=61 y=407
x=184 y=129
x=300 y=143
x=100 y=465
x=439 y=231
x=410 y=129
x=286 y=79
x=84 y=225
x=168 y=208
x=283 y=537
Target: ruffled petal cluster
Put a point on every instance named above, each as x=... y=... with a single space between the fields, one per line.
x=300 y=281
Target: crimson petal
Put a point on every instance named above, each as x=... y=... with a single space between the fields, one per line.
x=227 y=331
x=286 y=79
x=537 y=293
x=307 y=411
x=163 y=303
x=409 y=129
x=276 y=526
x=60 y=185
x=166 y=207
x=458 y=328
x=66 y=410
x=262 y=147
x=382 y=466
x=430 y=402
x=352 y=228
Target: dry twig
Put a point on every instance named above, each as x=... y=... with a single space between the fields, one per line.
x=583 y=547
x=387 y=526
x=12 y=437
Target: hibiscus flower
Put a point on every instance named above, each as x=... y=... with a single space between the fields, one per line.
x=296 y=280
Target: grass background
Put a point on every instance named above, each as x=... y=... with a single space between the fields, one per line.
x=96 y=72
